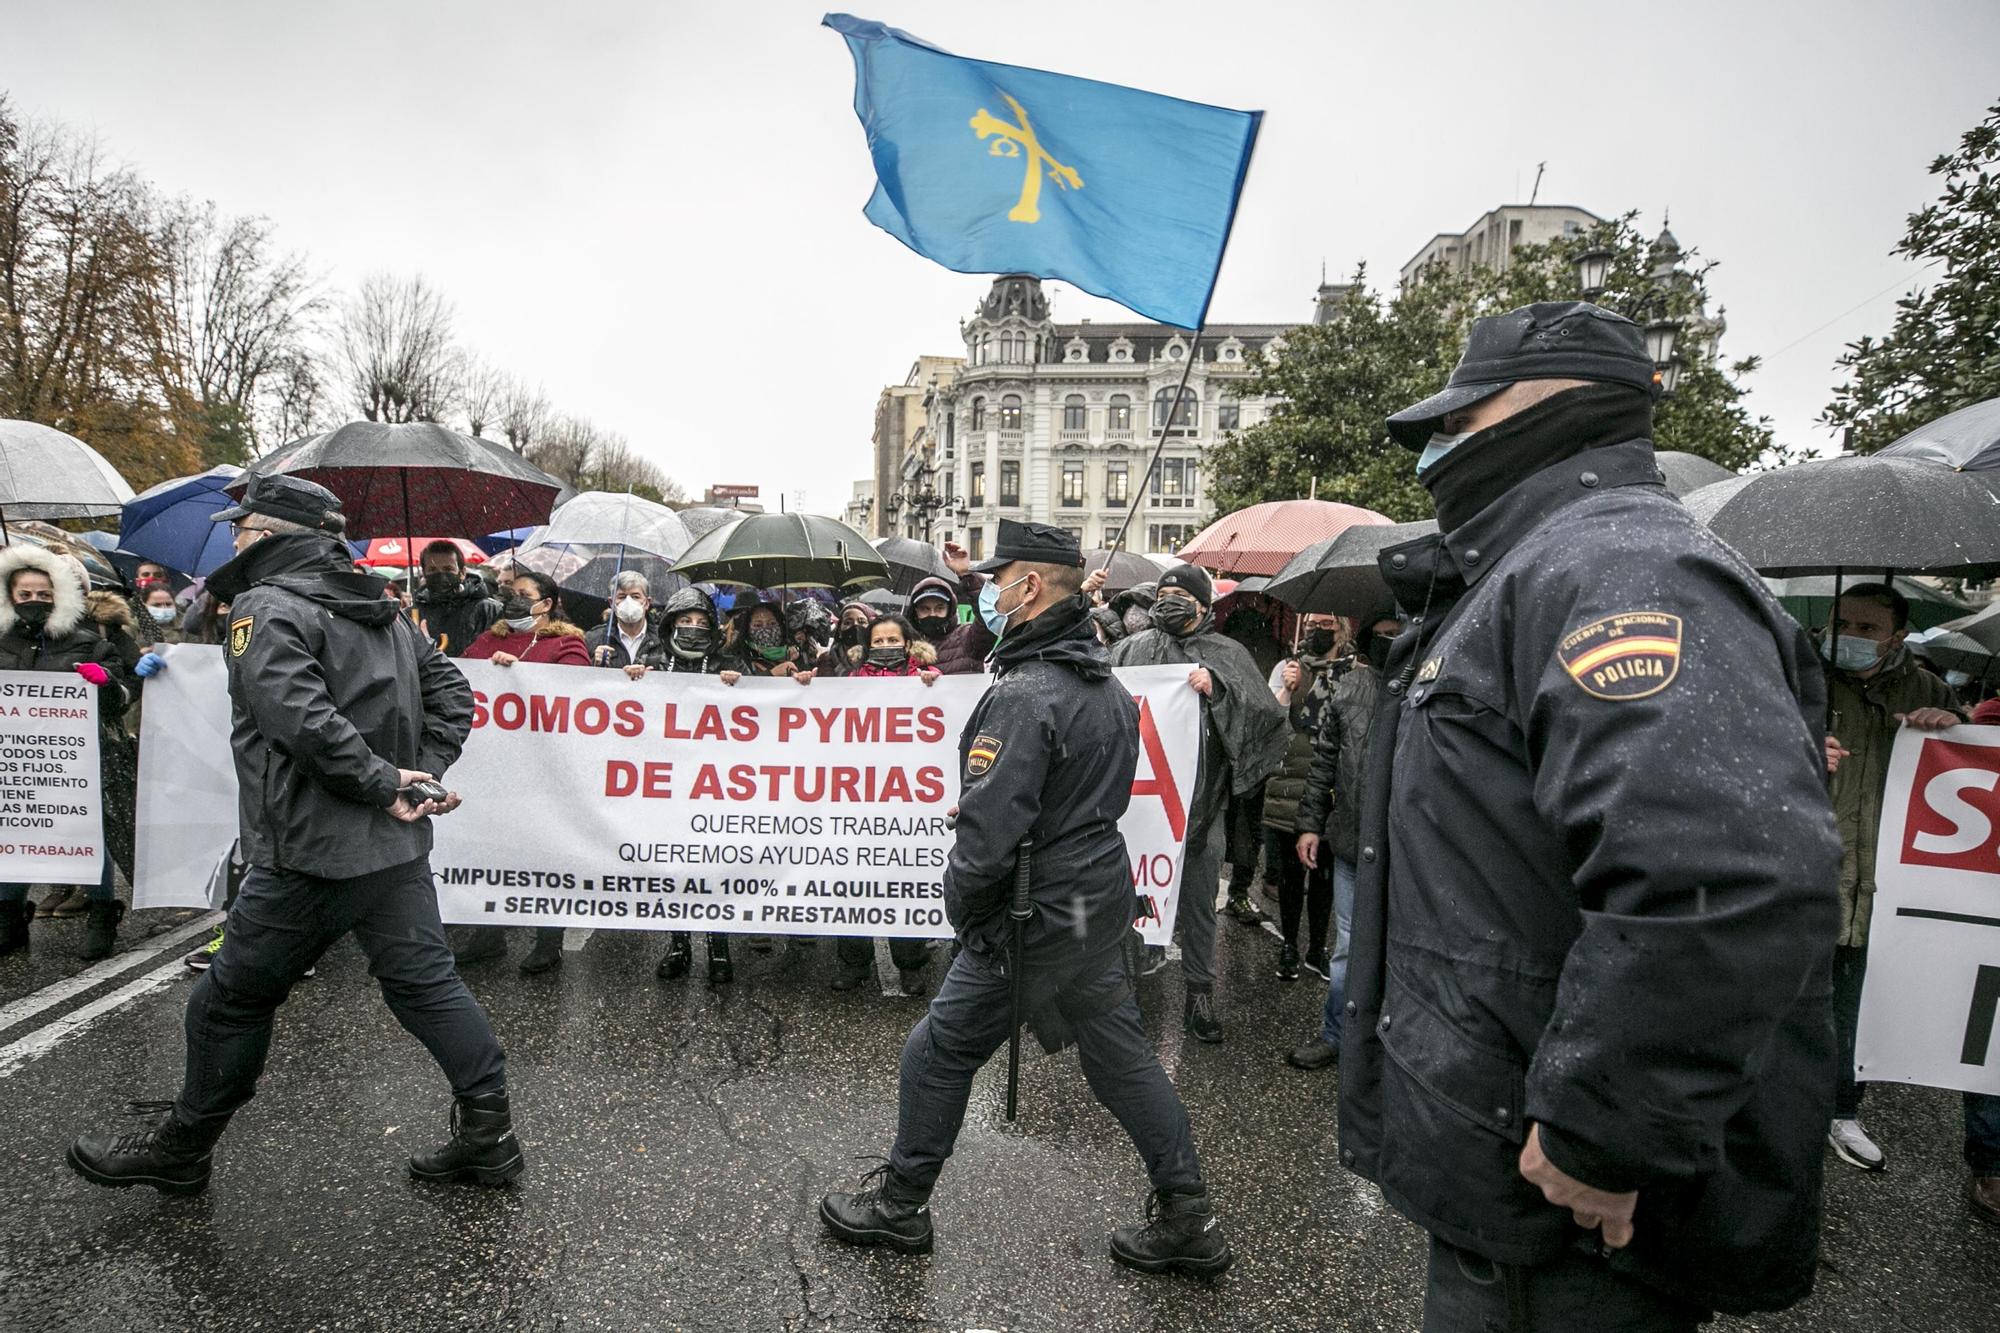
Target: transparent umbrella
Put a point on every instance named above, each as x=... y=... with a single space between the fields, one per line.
x=45 y=473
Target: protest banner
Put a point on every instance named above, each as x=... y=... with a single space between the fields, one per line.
x=51 y=815
x=1933 y=983
x=676 y=802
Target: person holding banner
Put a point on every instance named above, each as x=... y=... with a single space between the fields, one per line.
x=1048 y=759
x=343 y=717
x=45 y=625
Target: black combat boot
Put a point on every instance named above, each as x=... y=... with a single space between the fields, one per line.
x=1199 y=1019
x=884 y=1211
x=680 y=954
x=14 y=918
x=546 y=956
x=100 y=935
x=167 y=1155
x=721 y=971
x=1180 y=1232
x=483 y=1149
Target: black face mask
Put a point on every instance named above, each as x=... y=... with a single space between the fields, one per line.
x=441 y=583
x=1319 y=642
x=34 y=614
x=853 y=636
x=516 y=607
x=888 y=658
x=692 y=642
x=1175 y=615
x=1487 y=465
x=934 y=627
x=1377 y=651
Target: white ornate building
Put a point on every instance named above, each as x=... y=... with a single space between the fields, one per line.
x=1056 y=423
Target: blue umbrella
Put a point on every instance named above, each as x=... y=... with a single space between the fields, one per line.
x=170 y=523
x=493 y=543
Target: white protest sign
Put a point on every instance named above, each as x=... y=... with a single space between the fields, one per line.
x=678 y=802
x=1933 y=984
x=51 y=816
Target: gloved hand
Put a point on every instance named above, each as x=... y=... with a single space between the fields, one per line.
x=149 y=665
x=93 y=673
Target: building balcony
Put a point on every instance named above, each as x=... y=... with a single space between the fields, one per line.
x=1119 y=435
x=1067 y=436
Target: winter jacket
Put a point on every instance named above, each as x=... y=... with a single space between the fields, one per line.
x=555 y=641
x=922 y=658
x=68 y=639
x=652 y=649
x=1330 y=805
x=1596 y=892
x=332 y=690
x=1864 y=719
x=453 y=622
x=1048 y=754
x=931 y=588
x=1286 y=787
x=965 y=650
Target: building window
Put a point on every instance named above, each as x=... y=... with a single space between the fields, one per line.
x=1169 y=537
x=986 y=349
x=979 y=414
x=1010 y=482
x=1073 y=412
x=1010 y=412
x=1227 y=415
x=1121 y=412
x=1117 y=484
x=976 y=487
x=1184 y=417
x=1174 y=483
x=975 y=544
x=950 y=437
x=1072 y=485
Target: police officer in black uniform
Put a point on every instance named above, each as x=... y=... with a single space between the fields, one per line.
x=340 y=705
x=1048 y=757
x=1588 y=1043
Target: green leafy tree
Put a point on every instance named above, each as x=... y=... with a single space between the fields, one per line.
x=1337 y=382
x=1943 y=352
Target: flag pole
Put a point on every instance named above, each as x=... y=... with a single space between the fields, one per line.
x=1194 y=350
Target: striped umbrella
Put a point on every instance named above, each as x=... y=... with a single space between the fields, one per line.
x=1260 y=539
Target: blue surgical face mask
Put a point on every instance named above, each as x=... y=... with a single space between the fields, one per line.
x=1439 y=446
x=989 y=606
x=1852 y=652
x=1958 y=680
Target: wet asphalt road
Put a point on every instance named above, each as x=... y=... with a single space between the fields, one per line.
x=679 y=1136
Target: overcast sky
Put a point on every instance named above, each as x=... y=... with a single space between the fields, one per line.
x=655 y=208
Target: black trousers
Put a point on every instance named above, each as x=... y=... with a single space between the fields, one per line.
x=1850 y=969
x=1308 y=891
x=280 y=925
x=1576 y=1293
x=859 y=951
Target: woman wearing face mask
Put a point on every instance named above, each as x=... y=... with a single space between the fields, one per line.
x=850 y=634
x=893 y=650
x=531 y=629
x=1302 y=683
x=758 y=646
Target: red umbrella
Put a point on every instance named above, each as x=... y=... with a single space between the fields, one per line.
x=401 y=552
x=1260 y=539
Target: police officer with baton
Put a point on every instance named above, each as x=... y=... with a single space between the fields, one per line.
x=1048 y=759
x=344 y=716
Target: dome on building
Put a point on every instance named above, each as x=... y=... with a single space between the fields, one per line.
x=1017 y=294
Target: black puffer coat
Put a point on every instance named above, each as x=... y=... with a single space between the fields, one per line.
x=1285 y=788
x=454 y=621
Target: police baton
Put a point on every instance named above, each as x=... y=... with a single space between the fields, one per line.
x=1018 y=913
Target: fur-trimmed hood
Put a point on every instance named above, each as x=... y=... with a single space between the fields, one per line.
x=71 y=590
x=111 y=611
x=921 y=652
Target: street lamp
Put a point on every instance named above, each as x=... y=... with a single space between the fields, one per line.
x=1593 y=268
x=1669 y=375
x=1660 y=336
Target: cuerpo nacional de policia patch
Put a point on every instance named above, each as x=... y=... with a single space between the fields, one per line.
x=239 y=635
x=985 y=749
x=1626 y=656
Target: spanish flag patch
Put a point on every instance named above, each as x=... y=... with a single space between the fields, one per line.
x=1626 y=656
x=985 y=749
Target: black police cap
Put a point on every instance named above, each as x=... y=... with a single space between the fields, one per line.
x=1550 y=340
x=291 y=498
x=1035 y=542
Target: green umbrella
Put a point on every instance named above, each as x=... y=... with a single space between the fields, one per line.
x=1809 y=598
x=784 y=551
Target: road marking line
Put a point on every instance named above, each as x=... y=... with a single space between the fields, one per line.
x=46 y=1038
x=25 y=1008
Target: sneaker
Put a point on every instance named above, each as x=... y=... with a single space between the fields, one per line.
x=1315 y=1054
x=1181 y=1231
x=1245 y=911
x=1317 y=964
x=64 y=901
x=1288 y=963
x=1199 y=1017
x=198 y=958
x=1852 y=1145
x=884 y=1211
x=1156 y=958
x=167 y=1155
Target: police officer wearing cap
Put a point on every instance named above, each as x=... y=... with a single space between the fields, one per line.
x=1587 y=1042
x=1047 y=758
x=343 y=717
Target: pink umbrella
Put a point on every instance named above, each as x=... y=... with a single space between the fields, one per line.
x=1260 y=539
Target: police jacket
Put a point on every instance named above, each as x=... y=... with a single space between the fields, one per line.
x=1048 y=754
x=1596 y=891
x=331 y=692
x=454 y=621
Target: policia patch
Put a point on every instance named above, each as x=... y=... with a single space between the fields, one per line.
x=1628 y=656
x=985 y=749
x=239 y=635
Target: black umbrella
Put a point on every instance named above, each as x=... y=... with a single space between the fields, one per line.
x=1127 y=569
x=884 y=600
x=1983 y=628
x=784 y=551
x=1968 y=439
x=1949 y=651
x=911 y=562
x=1836 y=515
x=1339 y=576
x=393 y=480
x=1686 y=473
